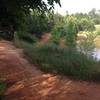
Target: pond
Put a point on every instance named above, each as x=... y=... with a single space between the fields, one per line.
x=97 y=53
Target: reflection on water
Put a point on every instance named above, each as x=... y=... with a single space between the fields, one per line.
x=97 y=53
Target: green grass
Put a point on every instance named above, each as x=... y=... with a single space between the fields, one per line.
x=64 y=61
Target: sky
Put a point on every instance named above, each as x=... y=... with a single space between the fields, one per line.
x=73 y=6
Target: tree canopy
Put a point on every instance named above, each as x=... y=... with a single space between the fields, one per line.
x=13 y=10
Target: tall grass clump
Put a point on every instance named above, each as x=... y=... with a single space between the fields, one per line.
x=27 y=37
x=21 y=38
x=65 y=61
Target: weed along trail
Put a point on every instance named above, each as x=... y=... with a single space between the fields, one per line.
x=26 y=82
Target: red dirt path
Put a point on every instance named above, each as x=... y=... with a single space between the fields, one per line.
x=26 y=82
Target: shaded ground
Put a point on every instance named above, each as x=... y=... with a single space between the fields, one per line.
x=26 y=82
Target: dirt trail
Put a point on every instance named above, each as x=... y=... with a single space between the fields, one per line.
x=26 y=82
x=45 y=38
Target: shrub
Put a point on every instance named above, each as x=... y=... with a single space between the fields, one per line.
x=38 y=23
x=27 y=37
x=71 y=30
x=57 y=33
x=68 y=31
x=86 y=24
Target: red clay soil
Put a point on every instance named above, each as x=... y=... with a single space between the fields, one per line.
x=26 y=82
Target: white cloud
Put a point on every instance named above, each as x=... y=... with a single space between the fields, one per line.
x=73 y=6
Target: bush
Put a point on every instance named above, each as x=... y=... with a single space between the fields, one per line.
x=66 y=61
x=67 y=31
x=38 y=23
x=86 y=24
x=57 y=33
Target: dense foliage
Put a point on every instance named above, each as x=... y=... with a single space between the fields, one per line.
x=75 y=58
x=13 y=12
x=71 y=30
x=68 y=26
x=38 y=23
x=95 y=15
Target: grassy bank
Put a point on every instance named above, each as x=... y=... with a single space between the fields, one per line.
x=64 y=61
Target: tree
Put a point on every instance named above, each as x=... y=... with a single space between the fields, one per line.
x=17 y=8
x=38 y=23
x=81 y=15
x=58 y=19
x=95 y=15
x=85 y=24
x=13 y=11
x=92 y=13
